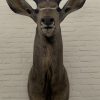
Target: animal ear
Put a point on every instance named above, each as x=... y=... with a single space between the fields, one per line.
x=22 y=7
x=70 y=6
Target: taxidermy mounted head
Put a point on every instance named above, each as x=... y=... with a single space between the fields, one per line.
x=48 y=14
x=48 y=79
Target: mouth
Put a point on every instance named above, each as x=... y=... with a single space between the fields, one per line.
x=48 y=29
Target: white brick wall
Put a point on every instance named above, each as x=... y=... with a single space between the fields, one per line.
x=81 y=39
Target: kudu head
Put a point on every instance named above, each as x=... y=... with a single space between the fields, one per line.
x=48 y=14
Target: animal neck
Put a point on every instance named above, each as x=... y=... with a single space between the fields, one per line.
x=48 y=52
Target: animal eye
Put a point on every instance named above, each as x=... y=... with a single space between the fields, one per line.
x=67 y=9
x=28 y=11
x=58 y=9
x=36 y=11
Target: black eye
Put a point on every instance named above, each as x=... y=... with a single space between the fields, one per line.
x=28 y=11
x=36 y=11
x=58 y=9
x=67 y=9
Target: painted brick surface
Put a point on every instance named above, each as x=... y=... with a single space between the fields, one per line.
x=81 y=41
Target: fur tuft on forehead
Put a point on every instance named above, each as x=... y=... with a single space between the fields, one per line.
x=38 y=1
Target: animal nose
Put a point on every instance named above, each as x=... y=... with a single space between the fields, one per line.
x=47 y=21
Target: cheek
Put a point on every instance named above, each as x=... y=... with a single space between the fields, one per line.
x=57 y=21
x=39 y=15
x=39 y=23
x=57 y=25
x=38 y=19
x=56 y=17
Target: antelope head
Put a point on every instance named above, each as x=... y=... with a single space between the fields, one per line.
x=48 y=15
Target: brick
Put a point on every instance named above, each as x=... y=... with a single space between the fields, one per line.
x=81 y=41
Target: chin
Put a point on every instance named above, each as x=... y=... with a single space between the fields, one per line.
x=48 y=32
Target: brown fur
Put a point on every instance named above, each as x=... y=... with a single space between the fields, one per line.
x=48 y=78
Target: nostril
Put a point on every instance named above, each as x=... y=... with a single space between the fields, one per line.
x=47 y=21
x=51 y=20
x=43 y=20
